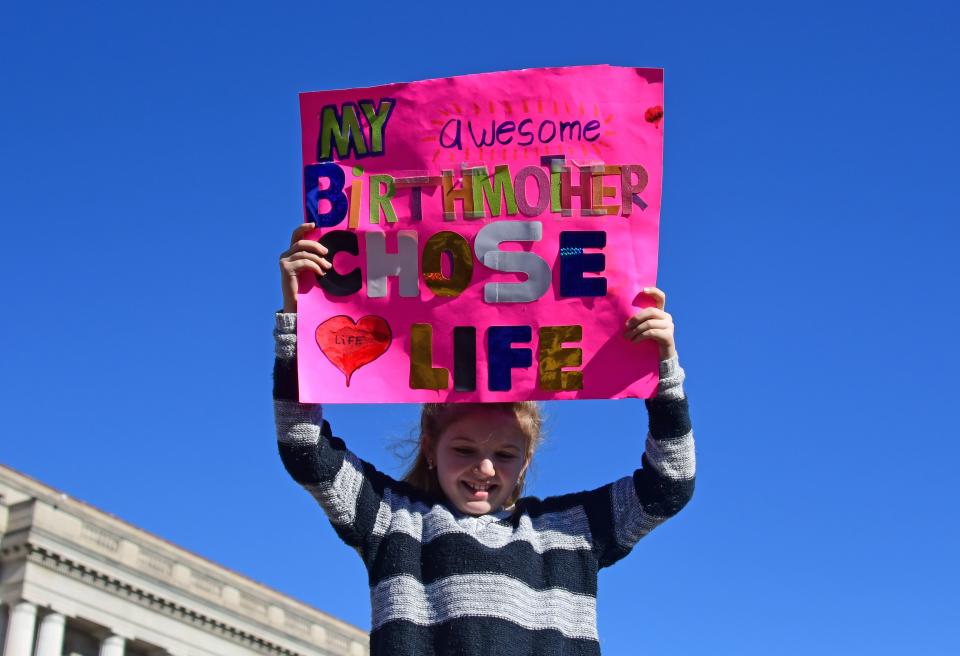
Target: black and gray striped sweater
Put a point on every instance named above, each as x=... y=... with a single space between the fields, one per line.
x=520 y=581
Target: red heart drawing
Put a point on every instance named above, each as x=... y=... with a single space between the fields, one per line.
x=349 y=345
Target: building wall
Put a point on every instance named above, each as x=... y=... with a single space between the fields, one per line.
x=77 y=581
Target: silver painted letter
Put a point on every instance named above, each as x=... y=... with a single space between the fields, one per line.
x=404 y=263
x=538 y=272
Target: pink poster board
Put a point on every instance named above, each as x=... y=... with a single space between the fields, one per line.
x=490 y=236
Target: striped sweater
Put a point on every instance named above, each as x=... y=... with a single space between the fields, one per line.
x=519 y=581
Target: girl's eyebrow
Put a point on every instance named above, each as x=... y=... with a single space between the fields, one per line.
x=463 y=439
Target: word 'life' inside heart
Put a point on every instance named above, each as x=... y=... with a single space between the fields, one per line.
x=349 y=345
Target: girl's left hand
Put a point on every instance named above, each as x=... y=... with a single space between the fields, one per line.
x=653 y=323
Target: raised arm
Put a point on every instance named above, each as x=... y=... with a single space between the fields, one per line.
x=665 y=481
x=349 y=490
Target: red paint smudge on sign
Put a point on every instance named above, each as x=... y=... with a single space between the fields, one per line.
x=654 y=115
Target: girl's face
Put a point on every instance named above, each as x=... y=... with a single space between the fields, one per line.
x=479 y=459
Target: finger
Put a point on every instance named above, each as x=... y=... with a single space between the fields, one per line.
x=306 y=245
x=300 y=231
x=305 y=265
x=652 y=323
x=311 y=245
x=644 y=315
x=313 y=257
x=640 y=317
x=657 y=295
x=656 y=334
x=657 y=324
x=646 y=333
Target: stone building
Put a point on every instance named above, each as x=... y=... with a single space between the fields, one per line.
x=75 y=581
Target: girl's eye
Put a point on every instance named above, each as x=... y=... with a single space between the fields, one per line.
x=507 y=456
x=462 y=450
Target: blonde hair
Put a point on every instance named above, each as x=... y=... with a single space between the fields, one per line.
x=434 y=419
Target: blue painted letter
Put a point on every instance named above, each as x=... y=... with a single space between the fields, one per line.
x=502 y=358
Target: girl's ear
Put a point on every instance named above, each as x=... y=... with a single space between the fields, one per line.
x=428 y=449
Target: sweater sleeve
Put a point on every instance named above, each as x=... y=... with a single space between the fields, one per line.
x=349 y=490
x=628 y=509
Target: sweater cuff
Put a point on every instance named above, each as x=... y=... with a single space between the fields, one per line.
x=669 y=367
x=286 y=323
x=671 y=379
x=285 y=336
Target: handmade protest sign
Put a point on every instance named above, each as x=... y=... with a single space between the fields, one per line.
x=490 y=234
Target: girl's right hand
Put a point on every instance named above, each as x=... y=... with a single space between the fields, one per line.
x=303 y=255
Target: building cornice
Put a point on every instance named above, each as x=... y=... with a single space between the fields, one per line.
x=43 y=557
x=74 y=539
x=109 y=532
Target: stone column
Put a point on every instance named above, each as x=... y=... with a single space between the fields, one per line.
x=50 y=635
x=112 y=646
x=19 y=640
x=4 y=611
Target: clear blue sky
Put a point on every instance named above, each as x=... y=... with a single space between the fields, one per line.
x=149 y=162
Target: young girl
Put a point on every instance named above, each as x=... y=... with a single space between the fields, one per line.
x=458 y=562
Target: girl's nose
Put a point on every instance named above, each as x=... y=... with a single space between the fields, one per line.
x=486 y=467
